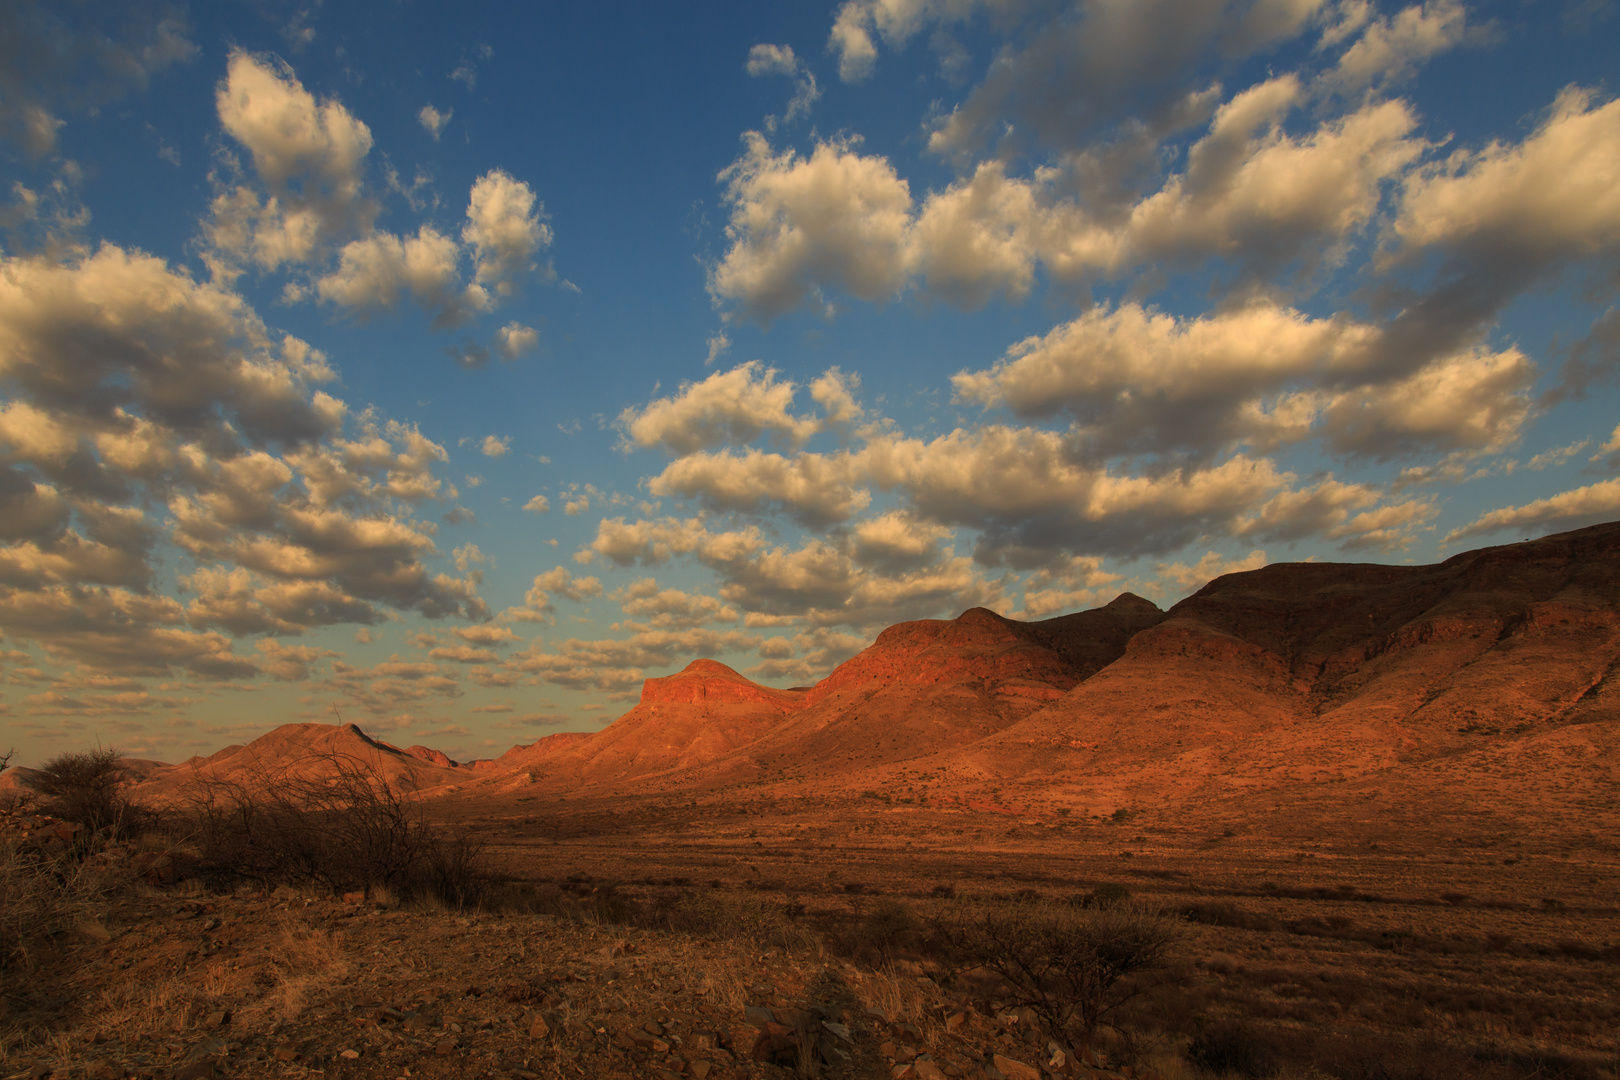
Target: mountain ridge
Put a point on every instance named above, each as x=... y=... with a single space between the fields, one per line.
x=1287 y=678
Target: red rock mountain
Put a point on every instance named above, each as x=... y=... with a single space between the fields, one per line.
x=683 y=721
x=1485 y=680
x=1309 y=673
x=295 y=752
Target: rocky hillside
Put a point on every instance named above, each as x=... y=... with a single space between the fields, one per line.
x=1492 y=673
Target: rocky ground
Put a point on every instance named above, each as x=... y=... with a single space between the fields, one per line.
x=169 y=981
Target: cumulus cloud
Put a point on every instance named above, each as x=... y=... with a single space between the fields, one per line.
x=1068 y=584
x=1137 y=381
x=813 y=489
x=1388 y=49
x=390 y=686
x=807 y=657
x=896 y=541
x=618 y=665
x=735 y=406
x=1252 y=196
x=374 y=272
x=505 y=229
x=50 y=65
x=1550 y=195
x=308 y=154
x=495 y=446
x=514 y=339
x=664 y=608
x=767 y=59
x=1089 y=67
x=1499 y=219
x=433 y=121
x=133 y=386
x=1186 y=578
x=860 y=24
x=836 y=219
x=486 y=634
x=539 y=504
x=820 y=581
x=1588 y=505
x=537 y=605
x=307 y=198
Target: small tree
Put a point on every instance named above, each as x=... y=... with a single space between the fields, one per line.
x=87 y=786
x=1072 y=967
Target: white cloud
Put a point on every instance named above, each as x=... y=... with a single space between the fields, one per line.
x=58 y=60
x=495 y=446
x=487 y=634
x=1588 y=505
x=1251 y=196
x=735 y=406
x=433 y=121
x=666 y=608
x=814 y=489
x=1263 y=375
x=539 y=504
x=537 y=604
x=309 y=155
x=836 y=219
x=1389 y=49
x=772 y=60
x=1185 y=578
x=373 y=273
x=780 y=60
x=1090 y=66
x=1552 y=195
x=1068 y=584
x=505 y=229
x=514 y=339
x=859 y=23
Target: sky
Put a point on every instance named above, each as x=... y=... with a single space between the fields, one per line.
x=450 y=370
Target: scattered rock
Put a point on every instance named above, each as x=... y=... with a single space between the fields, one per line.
x=1015 y=1070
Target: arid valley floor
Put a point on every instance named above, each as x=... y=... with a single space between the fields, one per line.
x=1381 y=807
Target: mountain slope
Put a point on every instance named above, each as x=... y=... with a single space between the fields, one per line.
x=1318 y=672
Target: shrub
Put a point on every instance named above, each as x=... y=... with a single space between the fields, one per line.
x=1073 y=967
x=343 y=830
x=41 y=899
x=1232 y=1048
x=88 y=787
x=767 y=925
x=886 y=926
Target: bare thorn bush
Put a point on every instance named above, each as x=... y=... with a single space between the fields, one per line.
x=1073 y=967
x=342 y=830
x=90 y=787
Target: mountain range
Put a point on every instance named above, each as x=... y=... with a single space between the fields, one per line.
x=1483 y=684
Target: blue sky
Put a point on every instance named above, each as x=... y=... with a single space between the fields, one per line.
x=450 y=372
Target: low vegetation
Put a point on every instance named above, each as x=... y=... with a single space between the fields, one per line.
x=1072 y=966
x=340 y=829
x=1293 y=980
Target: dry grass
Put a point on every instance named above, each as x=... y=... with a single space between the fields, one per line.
x=48 y=906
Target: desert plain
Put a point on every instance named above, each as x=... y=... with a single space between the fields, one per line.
x=1377 y=808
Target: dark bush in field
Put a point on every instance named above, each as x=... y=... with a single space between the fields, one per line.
x=342 y=830
x=1233 y=1049
x=89 y=787
x=1072 y=966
